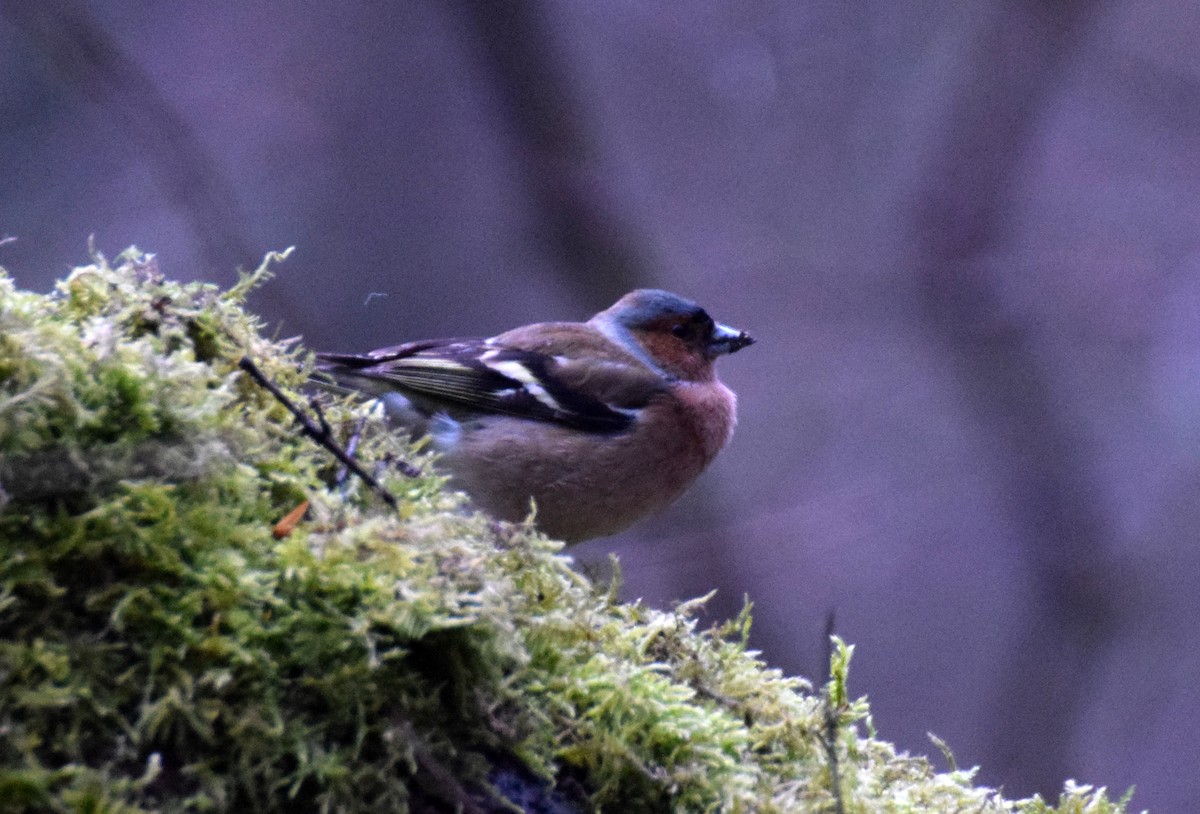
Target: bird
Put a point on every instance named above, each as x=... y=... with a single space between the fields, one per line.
x=587 y=427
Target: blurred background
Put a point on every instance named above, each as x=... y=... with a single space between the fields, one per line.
x=965 y=235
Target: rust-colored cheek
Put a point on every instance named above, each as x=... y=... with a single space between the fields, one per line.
x=676 y=357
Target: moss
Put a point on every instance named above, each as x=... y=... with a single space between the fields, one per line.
x=162 y=650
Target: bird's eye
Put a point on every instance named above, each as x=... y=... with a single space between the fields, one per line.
x=681 y=330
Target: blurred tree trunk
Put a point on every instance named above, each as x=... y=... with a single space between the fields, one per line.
x=1015 y=59
x=597 y=249
x=95 y=67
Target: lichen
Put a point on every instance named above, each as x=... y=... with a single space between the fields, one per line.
x=161 y=649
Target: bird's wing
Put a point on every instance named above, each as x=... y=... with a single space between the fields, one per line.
x=498 y=376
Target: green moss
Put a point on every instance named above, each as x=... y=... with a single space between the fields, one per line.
x=161 y=650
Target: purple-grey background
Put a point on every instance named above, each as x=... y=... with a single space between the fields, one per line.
x=965 y=234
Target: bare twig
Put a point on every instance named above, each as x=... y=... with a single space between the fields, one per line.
x=322 y=433
x=436 y=779
x=831 y=721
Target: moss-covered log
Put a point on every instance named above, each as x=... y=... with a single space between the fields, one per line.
x=164 y=646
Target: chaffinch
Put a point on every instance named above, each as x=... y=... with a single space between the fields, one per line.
x=598 y=423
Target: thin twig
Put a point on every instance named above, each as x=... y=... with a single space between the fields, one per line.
x=436 y=779
x=322 y=434
x=410 y=470
x=831 y=721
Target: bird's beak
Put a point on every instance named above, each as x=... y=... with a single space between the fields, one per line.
x=728 y=340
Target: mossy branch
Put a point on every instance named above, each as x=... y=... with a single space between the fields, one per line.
x=161 y=649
